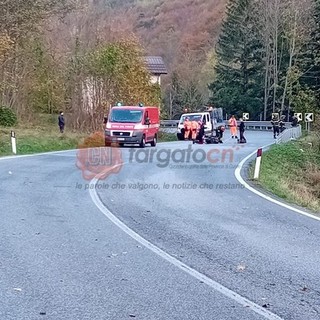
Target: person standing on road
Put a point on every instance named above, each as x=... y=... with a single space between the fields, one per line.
x=187 y=128
x=233 y=127
x=294 y=122
x=241 y=130
x=201 y=132
x=61 y=122
x=282 y=124
x=275 y=125
x=194 y=130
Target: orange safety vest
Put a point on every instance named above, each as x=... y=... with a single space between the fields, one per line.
x=232 y=122
x=194 y=125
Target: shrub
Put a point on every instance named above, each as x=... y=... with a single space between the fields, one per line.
x=7 y=117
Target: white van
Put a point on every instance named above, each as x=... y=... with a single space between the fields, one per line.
x=197 y=116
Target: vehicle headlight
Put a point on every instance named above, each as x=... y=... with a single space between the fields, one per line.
x=108 y=132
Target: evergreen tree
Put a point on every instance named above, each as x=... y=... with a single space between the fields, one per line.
x=176 y=100
x=309 y=61
x=239 y=72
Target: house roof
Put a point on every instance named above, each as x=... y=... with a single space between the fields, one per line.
x=156 y=65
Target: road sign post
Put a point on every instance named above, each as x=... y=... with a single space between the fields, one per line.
x=308 y=118
x=13 y=142
x=298 y=116
x=245 y=116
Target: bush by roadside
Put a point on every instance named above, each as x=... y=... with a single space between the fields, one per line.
x=7 y=117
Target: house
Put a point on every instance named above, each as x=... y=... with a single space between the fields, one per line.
x=156 y=67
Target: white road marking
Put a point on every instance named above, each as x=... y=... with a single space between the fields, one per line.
x=35 y=154
x=238 y=176
x=192 y=272
x=49 y=153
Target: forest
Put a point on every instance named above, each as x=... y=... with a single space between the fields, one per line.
x=256 y=56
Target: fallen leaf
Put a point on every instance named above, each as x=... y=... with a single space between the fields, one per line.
x=241 y=267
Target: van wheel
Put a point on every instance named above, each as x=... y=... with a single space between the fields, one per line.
x=154 y=141
x=143 y=142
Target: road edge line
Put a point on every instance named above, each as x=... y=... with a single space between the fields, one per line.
x=177 y=263
x=242 y=181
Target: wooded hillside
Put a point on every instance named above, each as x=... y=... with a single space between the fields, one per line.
x=257 y=56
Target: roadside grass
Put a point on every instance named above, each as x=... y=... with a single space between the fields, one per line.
x=292 y=172
x=42 y=135
x=166 y=137
x=37 y=140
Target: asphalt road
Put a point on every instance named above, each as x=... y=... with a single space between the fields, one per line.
x=204 y=247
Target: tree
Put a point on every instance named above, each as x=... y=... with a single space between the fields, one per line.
x=173 y=97
x=45 y=88
x=19 y=17
x=309 y=59
x=111 y=73
x=239 y=70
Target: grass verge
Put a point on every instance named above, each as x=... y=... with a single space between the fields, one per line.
x=47 y=138
x=38 y=140
x=166 y=137
x=292 y=172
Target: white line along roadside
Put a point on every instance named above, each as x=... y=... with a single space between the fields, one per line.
x=192 y=272
x=35 y=154
x=238 y=176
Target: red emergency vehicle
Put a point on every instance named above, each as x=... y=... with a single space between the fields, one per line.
x=132 y=125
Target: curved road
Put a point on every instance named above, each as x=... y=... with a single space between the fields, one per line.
x=185 y=240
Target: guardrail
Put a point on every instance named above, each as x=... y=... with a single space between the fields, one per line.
x=289 y=134
x=168 y=123
x=249 y=125
x=261 y=125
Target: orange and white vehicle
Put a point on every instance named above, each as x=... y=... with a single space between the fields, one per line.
x=132 y=125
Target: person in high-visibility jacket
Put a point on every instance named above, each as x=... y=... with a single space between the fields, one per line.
x=194 y=129
x=233 y=127
x=187 y=128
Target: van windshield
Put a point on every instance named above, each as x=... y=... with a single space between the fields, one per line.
x=123 y=115
x=191 y=117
